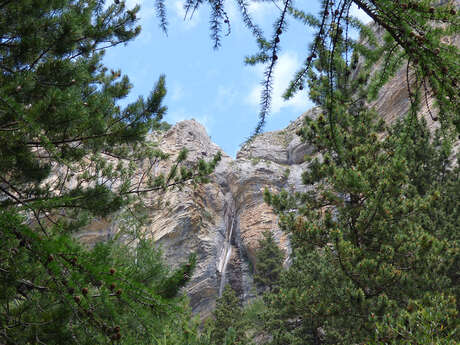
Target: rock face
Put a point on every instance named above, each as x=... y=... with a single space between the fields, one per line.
x=222 y=221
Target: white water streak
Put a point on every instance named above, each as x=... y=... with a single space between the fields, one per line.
x=227 y=253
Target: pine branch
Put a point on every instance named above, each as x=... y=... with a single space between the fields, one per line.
x=266 y=96
x=161 y=14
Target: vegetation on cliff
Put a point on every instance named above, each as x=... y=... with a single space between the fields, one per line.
x=269 y=262
x=70 y=153
x=375 y=244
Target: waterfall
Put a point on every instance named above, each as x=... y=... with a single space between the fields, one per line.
x=227 y=248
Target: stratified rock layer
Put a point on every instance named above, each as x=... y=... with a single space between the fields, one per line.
x=223 y=221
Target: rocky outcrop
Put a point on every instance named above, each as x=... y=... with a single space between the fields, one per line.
x=223 y=221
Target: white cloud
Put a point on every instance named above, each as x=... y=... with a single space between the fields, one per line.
x=360 y=14
x=261 y=10
x=188 y=22
x=287 y=65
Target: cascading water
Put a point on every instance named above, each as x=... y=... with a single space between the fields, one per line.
x=227 y=247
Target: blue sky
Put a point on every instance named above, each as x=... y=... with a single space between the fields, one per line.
x=214 y=87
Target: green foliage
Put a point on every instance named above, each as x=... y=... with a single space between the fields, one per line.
x=70 y=153
x=431 y=320
x=286 y=173
x=255 y=160
x=374 y=237
x=374 y=242
x=228 y=326
x=269 y=262
x=56 y=291
x=168 y=288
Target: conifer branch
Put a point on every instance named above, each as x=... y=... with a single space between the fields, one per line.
x=266 y=96
x=256 y=31
x=161 y=14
